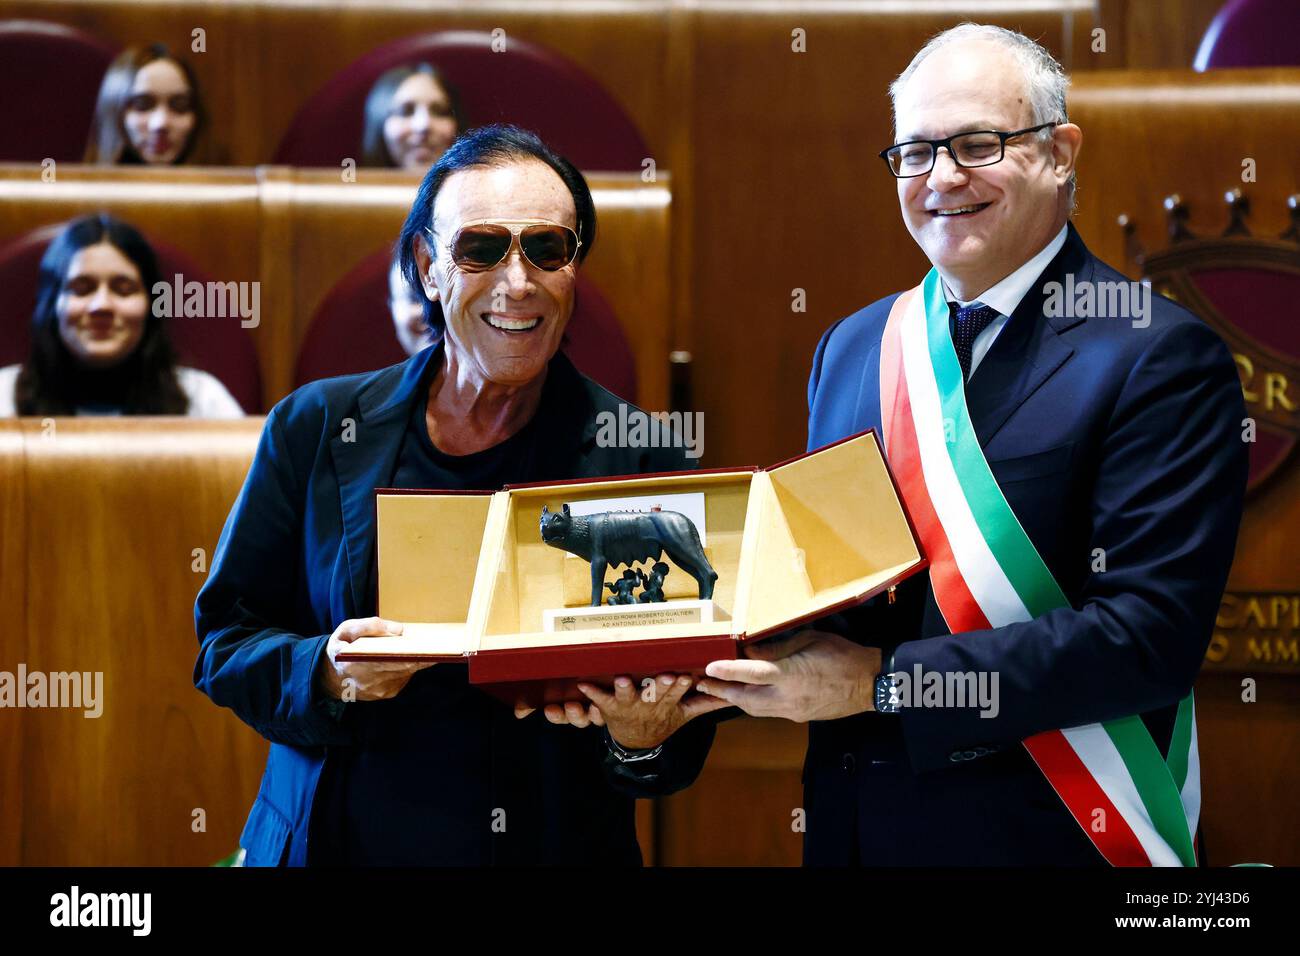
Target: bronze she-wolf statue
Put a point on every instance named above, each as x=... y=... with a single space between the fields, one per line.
x=625 y=537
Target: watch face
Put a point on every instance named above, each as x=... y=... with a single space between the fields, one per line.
x=886 y=694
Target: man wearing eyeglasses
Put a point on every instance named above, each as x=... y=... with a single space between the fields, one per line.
x=1076 y=480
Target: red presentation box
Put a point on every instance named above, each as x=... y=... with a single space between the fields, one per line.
x=470 y=578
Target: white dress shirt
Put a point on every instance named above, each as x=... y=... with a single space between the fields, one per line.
x=1006 y=296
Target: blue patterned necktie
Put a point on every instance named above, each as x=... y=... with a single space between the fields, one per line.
x=969 y=322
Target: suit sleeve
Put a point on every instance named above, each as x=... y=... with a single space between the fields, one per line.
x=1166 y=505
x=248 y=659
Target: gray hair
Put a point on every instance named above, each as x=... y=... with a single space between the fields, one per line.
x=1045 y=81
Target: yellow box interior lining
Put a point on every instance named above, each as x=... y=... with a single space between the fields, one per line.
x=829 y=531
x=428 y=554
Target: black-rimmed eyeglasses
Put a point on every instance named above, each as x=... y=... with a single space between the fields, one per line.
x=974 y=149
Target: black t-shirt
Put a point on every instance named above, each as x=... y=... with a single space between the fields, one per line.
x=421 y=464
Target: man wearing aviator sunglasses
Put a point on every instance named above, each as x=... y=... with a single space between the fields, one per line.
x=404 y=763
x=483 y=245
x=1076 y=482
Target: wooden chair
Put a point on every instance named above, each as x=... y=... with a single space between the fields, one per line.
x=49 y=80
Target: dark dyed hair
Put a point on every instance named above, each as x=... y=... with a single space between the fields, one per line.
x=496 y=145
x=47 y=382
x=374 y=151
x=108 y=144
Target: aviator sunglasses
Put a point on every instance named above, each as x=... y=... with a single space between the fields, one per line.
x=484 y=244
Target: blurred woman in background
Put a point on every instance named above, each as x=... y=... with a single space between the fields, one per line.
x=148 y=110
x=413 y=330
x=97 y=347
x=412 y=115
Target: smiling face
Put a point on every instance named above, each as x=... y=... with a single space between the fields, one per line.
x=102 y=306
x=159 y=115
x=420 y=126
x=979 y=225
x=407 y=312
x=503 y=325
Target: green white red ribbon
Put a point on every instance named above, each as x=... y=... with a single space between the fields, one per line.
x=1137 y=807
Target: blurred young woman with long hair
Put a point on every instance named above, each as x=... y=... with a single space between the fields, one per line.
x=97 y=346
x=148 y=111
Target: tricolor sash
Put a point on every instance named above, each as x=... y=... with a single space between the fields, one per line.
x=1138 y=808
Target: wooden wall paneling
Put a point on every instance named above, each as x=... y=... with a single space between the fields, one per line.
x=208 y=213
x=1250 y=768
x=632 y=265
x=278 y=268
x=1150 y=133
x=1155 y=34
x=742 y=810
x=13 y=637
x=679 y=152
x=115 y=509
x=1250 y=751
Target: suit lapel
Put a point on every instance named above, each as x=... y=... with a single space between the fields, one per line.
x=1028 y=351
x=367 y=462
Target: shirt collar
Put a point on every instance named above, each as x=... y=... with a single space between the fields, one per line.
x=1005 y=296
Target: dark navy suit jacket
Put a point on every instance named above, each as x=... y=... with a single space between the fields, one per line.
x=295 y=560
x=1102 y=436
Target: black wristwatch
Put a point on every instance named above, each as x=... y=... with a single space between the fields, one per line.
x=625 y=755
x=886 y=692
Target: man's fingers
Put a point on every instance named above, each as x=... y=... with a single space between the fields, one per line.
x=596 y=716
x=391 y=668
x=576 y=713
x=748 y=698
x=367 y=627
x=375 y=627
x=716 y=688
x=781 y=647
x=624 y=691
x=597 y=696
x=554 y=713
x=522 y=710
x=744 y=672
x=676 y=691
x=702 y=704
